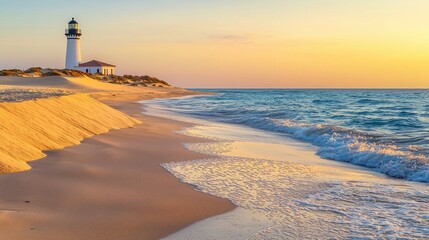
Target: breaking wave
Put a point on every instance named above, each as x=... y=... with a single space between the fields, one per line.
x=360 y=148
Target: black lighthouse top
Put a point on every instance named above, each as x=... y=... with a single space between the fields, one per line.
x=73 y=29
x=72 y=21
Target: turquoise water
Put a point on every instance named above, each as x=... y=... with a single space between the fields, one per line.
x=385 y=130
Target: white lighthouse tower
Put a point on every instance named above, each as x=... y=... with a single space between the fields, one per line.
x=73 y=57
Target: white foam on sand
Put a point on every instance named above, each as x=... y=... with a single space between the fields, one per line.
x=298 y=202
x=237 y=224
x=284 y=191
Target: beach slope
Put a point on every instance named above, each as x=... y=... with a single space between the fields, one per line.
x=28 y=128
x=109 y=186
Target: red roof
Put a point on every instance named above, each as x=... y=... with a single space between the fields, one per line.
x=95 y=63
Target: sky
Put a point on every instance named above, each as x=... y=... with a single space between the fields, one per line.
x=231 y=44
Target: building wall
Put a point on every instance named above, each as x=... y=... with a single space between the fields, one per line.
x=108 y=70
x=99 y=70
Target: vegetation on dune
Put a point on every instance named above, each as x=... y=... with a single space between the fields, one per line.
x=34 y=70
x=12 y=72
x=130 y=80
x=136 y=80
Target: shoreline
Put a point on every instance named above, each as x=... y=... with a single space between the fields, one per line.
x=282 y=190
x=79 y=193
x=175 y=177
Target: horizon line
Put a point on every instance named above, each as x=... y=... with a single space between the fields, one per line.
x=286 y=88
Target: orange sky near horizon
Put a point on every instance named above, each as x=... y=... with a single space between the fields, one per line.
x=243 y=44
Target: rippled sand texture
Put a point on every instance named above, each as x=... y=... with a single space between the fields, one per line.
x=287 y=192
x=19 y=95
x=28 y=128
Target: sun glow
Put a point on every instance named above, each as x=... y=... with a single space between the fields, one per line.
x=311 y=44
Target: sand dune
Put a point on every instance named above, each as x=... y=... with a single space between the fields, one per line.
x=97 y=89
x=55 y=82
x=61 y=82
x=27 y=128
x=45 y=120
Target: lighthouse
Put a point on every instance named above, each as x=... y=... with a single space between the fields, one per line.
x=73 y=57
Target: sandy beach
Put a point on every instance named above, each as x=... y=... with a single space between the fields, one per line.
x=110 y=186
x=80 y=160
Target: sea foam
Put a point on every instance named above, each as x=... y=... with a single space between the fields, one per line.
x=359 y=148
x=296 y=201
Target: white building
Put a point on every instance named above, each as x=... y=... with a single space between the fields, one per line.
x=95 y=66
x=74 y=58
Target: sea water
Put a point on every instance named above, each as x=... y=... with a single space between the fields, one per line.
x=306 y=164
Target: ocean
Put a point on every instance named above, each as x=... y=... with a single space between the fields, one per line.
x=341 y=164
